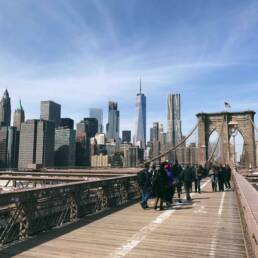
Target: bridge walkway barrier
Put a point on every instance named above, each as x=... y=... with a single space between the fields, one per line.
x=209 y=226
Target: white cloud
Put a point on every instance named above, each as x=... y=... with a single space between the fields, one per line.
x=99 y=66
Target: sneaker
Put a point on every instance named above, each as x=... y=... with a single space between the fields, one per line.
x=143 y=206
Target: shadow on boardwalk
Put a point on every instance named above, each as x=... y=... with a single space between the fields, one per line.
x=19 y=247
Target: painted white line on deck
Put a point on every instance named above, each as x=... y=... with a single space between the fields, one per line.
x=141 y=235
x=213 y=247
x=221 y=203
x=214 y=238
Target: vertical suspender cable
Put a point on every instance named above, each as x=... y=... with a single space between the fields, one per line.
x=174 y=148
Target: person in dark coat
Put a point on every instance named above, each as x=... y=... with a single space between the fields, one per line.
x=214 y=178
x=228 y=176
x=187 y=177
x=177 y=170
x=221 y=176
x=144 y=180
x=153 y=172
x=198 y=178
x=170 y=191
x=160 y=187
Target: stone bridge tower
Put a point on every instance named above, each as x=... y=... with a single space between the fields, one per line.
x=222 y=123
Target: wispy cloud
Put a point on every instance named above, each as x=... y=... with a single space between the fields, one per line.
x=84 y=53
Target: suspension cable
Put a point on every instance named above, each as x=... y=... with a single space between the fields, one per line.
x=256 y=128
x=175 y=147
x=216 y=145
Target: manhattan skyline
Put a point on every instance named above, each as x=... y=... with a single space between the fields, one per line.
x=200 y=49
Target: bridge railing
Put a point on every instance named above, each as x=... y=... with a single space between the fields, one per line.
x=248 y=202
x=28 y=212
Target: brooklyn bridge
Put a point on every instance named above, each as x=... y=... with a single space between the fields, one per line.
x=95 y=212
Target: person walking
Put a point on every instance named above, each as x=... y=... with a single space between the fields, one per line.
x=177 y=170
x=144 y=181
x=198 y=178
x=160 y=187
x=187 y=177
x=214 y=179
x=170 y=177
x=221 y=178
x=228 y=176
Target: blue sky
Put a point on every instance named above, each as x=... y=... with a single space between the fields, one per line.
x=83 y=53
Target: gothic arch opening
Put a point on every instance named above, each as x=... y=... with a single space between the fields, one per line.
x=226 y=120
x=238 y=152
x=214 y=145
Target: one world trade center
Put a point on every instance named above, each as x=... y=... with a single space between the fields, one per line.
x=140 y=133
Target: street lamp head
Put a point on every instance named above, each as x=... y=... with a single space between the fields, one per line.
x=233 y=125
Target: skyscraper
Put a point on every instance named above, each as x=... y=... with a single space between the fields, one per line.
x=174 y=133
x=98 y=114
x=162 y=138
x=140 y=134
x=3 y=146
x=92 y=126
x=19 y=117
x=126 y=136
x=155 y=131
x=50 y=111
x=5 y=109
x=28 y=140
x=37 y=140
x=12 y=147
x=65 y=146
x=82 y=144
x=67 y=123
x=113 y=121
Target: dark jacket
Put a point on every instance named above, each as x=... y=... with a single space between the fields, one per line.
x=200 y=172
x=144 y=180
x=187 y=175
x=228 y=173
x=160 y=183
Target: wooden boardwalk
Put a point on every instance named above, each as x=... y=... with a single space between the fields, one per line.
x=207 y=227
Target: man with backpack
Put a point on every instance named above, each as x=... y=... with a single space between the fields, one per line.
x=187 y=177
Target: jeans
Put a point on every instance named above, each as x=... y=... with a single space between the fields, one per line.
x=145 y=196
x=197 y=185
x=214 y=186
x=227 y=183
x=187 y=186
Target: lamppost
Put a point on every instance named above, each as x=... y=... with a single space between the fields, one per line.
x=234 y=132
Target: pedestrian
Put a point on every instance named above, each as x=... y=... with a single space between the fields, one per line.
x=177 y=170
x=221 y=178
x=192 y=168
x=160 y=187
x=228 y=177
x=214 y=179
x=170 y=177
x=153 y=173
x=198 y=178
x=187 y=177
x=144 y=181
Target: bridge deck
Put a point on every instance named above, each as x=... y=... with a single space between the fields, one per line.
x=209 y=227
